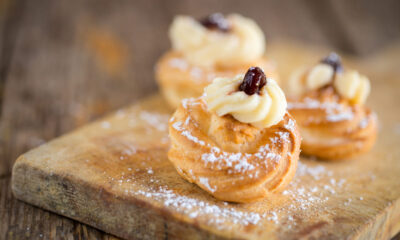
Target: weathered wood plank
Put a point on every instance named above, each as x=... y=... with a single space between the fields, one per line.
x=63 y=64
x=114 y=174
x=74 y=62
x=23 y=221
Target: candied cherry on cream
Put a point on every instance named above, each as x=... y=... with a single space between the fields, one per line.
x=334 y=61
x=216 y=21
x=253 y=81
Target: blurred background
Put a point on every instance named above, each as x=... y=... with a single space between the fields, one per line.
x=64 y=63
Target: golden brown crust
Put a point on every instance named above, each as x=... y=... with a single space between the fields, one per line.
x=332 y=128
x=231 y=160
x=178 y=79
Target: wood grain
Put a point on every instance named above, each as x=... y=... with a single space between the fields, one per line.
x=24 y=221
x=54 y=75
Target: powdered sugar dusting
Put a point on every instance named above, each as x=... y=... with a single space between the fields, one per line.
x=178 y=126
x=185 y=102
x=178 y=63
x=342 y=116
x=335 y=111
x=314 y=172
x=364 y=123
x=225 y=159
x=142 y=175
x=219 y=159
x=156 y=120
x=204 y=181
x=105 y=125
x=290 y=125
x=196 y=73
x=193 y=207
x=301 y=199
x=238 y=161
x=318 y=190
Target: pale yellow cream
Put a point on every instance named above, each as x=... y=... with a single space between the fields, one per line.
x=203 y=47
x=319 y=76
x=260 y=110
x=349 y=84
x=314 y=78
x=353 y=86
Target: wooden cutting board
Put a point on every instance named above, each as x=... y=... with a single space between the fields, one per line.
x=114 y=175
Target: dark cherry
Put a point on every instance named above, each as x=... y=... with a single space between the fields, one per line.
x=253 y=81
x=334 y=60
x=216 y=21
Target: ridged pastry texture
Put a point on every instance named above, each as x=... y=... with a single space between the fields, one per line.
x=331 y=126
x=231 y=160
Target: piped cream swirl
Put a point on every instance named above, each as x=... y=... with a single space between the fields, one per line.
x=261 y=110
x=203 y=47
x=353 y=86
x=349 y=84
x=319 y=76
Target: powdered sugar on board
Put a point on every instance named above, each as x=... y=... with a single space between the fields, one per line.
x=196 y=208
x=153 y=119
x=193 y=205
x=298 y=199
x=156 y=120
x=313 y=186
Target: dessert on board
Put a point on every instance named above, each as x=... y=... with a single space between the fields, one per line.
x=237 y=141
x=216 y=46
x=328 y=103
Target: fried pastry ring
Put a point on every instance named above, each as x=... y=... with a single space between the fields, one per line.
x=328 y=104
x=331 y=127
x=231 y=160
x=216 y=46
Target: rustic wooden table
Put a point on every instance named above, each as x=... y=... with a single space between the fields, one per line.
x=64 y=64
